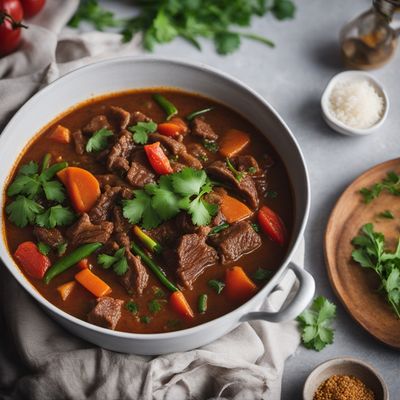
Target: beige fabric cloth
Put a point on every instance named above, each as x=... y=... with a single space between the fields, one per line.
x=38 y=359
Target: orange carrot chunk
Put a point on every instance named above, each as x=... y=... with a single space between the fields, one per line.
x=173 y=128
x=82 y=187
x=233 y=209
x=179 y=303
x=92 y=283
x=32 y=261
x=66 y=289
x=238 y=286
x=61 y=134
x=233 y=142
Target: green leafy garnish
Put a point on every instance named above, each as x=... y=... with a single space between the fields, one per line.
x=155 y=306
x=315 y=324
x=62 y=248
x=218 y=229
x=237 y=174
x=218 y=286
x=118 y=261
x=390 y=184
x=99 y=140
x=256 y=227
x=158 y=292
x=145 y=319
x=370 y=253
x=262 y=274
x=132 y=307
x=252 y=170
x=162 y=21
x=44 y=248
x=197 y=113
x=211 y=145
x=142 y=130
x=386 y=214
x=181 y=191
x=23 y=211
x=55 y=216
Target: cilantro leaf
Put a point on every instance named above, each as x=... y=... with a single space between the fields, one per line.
x=121 y=266
x=32 y=168
x=226 y=42
x=44 y=248
x=132 y=307
x=118 y=261
x=218 y=286
x=164 y=200
x=283 y=9
x=154 y=306
x=201 y=211
x=54 y=190
x=189 y=181
x=390 y=184
x=164 y=30
x=105 y=260
x=55 y=216
x=315 y=324
x=142 y=130
x=24 y=184
x=99 y=140
x=23 y=211
x=386 y=214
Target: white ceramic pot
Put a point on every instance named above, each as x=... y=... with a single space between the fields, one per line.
x=143 y=72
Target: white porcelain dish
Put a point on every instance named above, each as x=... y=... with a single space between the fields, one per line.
x=141 y=72
x=339 y=126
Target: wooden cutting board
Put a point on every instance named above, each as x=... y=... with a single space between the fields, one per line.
x=354 y=285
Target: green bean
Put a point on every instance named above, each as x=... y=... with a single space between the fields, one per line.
x=51 y=171
x=158 y=272
x=202 y=304
x=69 y=260
x=197 y=113
x=149 y=242
x=46 y=162
x=166 y=105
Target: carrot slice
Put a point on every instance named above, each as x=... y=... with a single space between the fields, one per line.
x=92 y=283
x=233 y=209
x=83 y=188
x=66 y=289
x=233 y=142
x=61 y=134
x=239 y=286
x=179 y=303
x=32 y=261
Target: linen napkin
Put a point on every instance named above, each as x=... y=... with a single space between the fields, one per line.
x=40 y=360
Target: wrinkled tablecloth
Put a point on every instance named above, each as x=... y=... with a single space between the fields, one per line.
x=39 y=360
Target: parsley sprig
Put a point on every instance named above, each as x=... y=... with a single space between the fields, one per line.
x=390 y=184
x=315 y=324
x=370 y=253
x=182 y=191
x=118 y=261
x=162 y=21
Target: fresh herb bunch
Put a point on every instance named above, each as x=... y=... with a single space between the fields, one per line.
x=315 y=324
x=161 y=21
x=370 y=253
x=390 y=184
x=162 y=201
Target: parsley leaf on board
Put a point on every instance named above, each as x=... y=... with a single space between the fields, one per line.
x=142 y=130
x=390 y=184
x=118 y=261
x=99 y=140
x=370 y=253
x=386 y=214
x=315 y=324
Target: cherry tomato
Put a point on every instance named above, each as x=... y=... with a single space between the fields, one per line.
x=32 y=7
x=9 y=35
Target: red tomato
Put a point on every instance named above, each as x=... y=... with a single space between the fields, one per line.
x=10 y=36
x=272 y=225
x=32 y=7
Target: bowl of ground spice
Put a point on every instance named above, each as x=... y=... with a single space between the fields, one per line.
x=345 y=379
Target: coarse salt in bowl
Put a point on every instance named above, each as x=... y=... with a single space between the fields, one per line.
x=354 y=103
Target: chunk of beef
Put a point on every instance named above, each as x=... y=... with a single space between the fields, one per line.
x=83 y=231
x=193 y=256
x=165 y=234
x=244 y=163
x=235 y=241
x=106 y=313
x=122 y=116
x=96 y=123
x=138 y=116
x=101 y=156
x=183 y=223
x=245 y=187
x=202 y=129
x=101 y=210
x=111 y=180
x=198 y=151
x=79 y=142
x=126 y=193
x=120 y=152
x=136 y=278
x=51 y=237
x=121 y=224
x=190 y=161
x=140 y=172
x=177 y=166
x=215 y=197
x=110 y=247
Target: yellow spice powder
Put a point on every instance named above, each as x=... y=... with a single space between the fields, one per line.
x=343 y=387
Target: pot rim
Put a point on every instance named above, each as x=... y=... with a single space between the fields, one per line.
x=241 y=310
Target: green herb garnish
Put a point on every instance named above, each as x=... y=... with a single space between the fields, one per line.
x=262 y=274
x=237 y=174
x=315 y=324
x=211 y=145
x=145 y=319
x=23 y=211
x=370 y=253
x=390 y=184
x=44 y=248
x=197 y=113
x=271 y=194
x=132 y=307
x=55 y=216
x=142 y=130
x=99 y=140
x=202 y=303
x=218 y=286
x=158 y=292
x=62 y=248
x=386 y=214
x=218 y=229
x=154 y=306
x=256 y=227
x=118 y=261
x=252 y=170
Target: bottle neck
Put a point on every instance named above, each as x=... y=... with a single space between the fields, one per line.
x=387 y=7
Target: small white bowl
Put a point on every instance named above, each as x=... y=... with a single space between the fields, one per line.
x=339 y=126
x=346 y=366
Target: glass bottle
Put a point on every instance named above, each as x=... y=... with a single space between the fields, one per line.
x=369 y=41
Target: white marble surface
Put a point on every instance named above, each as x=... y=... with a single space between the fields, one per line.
x=292 y=77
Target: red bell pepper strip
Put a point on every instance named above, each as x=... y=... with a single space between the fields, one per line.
x=272 y=224
x=32 y=261
x=157 y=158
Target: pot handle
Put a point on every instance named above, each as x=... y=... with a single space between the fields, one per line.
x=299 y=302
